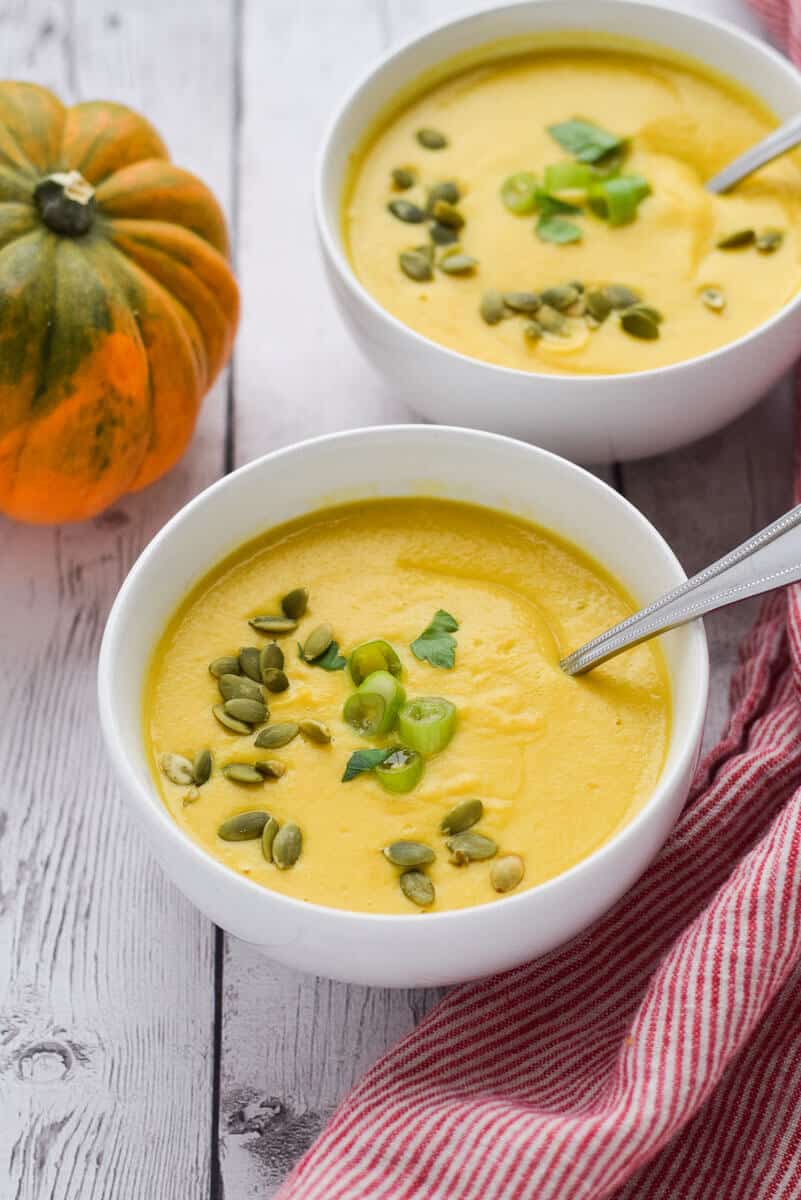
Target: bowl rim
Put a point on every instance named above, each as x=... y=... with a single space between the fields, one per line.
x=334 y=247
x=156 y=815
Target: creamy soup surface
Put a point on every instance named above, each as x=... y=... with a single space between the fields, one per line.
x=680 y=124
x=559 y=764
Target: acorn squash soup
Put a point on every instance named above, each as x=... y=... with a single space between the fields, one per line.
x=364 y=708
x=546 y=211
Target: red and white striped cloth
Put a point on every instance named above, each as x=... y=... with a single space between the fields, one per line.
x=657 y=1056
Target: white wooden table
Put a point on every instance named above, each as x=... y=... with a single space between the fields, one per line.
x=142 y=1052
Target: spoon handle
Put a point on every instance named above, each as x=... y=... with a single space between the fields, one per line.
x=768 y=560
x=782 y=139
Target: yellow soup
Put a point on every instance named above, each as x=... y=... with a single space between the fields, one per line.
x=669 y=126
x=558 y=764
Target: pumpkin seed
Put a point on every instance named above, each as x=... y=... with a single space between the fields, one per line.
x=713 y=298
x=275 y=680
x=427 y=252
x=177 y=768
x=408 y=854
x=318 y=642
x=620 y=296
x=472 y=847
x=201 y=767
x=227 y=665
x=447 y=191
x=275 y=736
x=236 y=687
x=769 y=240
x=525 y=302
x=462 y=817
x=578 y=285
x=404 y=210
x=648 y=311
x=447 y=214
x=532 y=332
x=457 y=264
x=271 y=657
x=190 y=796
x=240 y=772
x=639 y=324
x=295 y=603
x=506 y=872
x=287 y=845
x=315 y=731
x=229 y=722
x=560 y=298
x=249 y=663
x=254 y=712
x=270 y=768
x=269 y=624
x=599 y=306
x=442 y=235
x=268 y=837
x=431 y=139
x=415 y=266
x=549 y=320
x=418 y=888
x=492 y=307
x=244 y=827
x=737 y=240
x=403 y=178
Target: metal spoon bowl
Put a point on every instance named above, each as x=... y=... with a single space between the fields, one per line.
x=785 y=138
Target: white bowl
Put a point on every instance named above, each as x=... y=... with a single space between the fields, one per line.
x=591 y=418
x=419 y=949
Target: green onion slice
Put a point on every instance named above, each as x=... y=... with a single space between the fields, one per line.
x=568 y=177
x=400 y=771
x=373 y=656
x=616 y=200
x=393 y=693
x=427 y=724
x=519 y=192
x=365 y=712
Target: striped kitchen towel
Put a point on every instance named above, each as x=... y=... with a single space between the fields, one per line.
x=655 y=1057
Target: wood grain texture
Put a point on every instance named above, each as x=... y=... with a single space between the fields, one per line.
x=106 y=1001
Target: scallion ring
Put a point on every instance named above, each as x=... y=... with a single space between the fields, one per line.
x=365 y=712
x=400 y=771
x=427 y=724
x=616 y=200
x=519 y=193
x=373 y=656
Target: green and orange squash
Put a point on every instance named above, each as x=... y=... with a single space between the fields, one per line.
x=117 y=304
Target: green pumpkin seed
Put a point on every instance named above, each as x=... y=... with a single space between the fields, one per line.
x=254 y=712
x=227 y=665
x=240 y=772
x=244 y=827
x=236 y=687
x=506 y=872
x=190 y=796
x=295 y=603
x=714 y=299
x=442 y=235
x=271 y=768
x=404 y=210
x=270 y=624
x=532 y=332
x=403 y=178
x=447 y=191
x=457 y=264
x=315 y=731
x=737 y=240
x=599 y=306
x=318 y=642
x=549 y=320
x=769 y=241
x=201 y=767
x=408 y=854
x=620 y=296
x=524 y=302
x=431 y=139
x=287 y=845
x=271 y=658
x=275 y=736
x=268 y=837
x=415 y=266
x=462 y=817
x=275 y=680
x=639 y=324
x=177 y=768
x=560 y=298
x=471 y=847
x=228 y=722
x=418 y=888
x=649 y=311
x=447 y=214
x=492 y=307
x=249 y=663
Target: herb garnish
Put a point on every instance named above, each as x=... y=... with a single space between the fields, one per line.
x=365 y=760
x=435 y=644
x=584 y=140
x=331 y=660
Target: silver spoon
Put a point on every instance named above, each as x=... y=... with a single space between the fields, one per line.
x=779 y=142
x=770 y=559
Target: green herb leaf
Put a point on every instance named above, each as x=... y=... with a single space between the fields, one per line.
x=331 y=660
x=435 y=644
x=558 y=230
x=548 y=205
x=585 y=141
x=364 y=760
